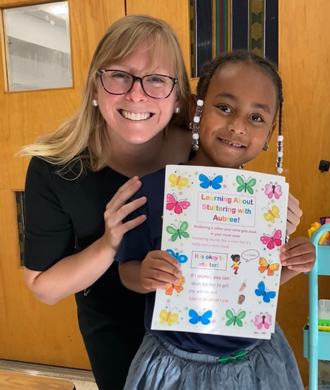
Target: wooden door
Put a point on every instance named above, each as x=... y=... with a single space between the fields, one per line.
x=29 y=330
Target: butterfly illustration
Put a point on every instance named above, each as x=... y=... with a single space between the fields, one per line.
x=273 y=190
x=177 y=287
x=178 y=181
x=269 y=267
x=167 y=316
x=207 y=182
x=271 y=241
x=245 y=185
x=177 y=205
x=195 y=317
x=181 y=258
x=272 y=214
x=235 y=319
x=178 y=232
x=263 y=321
x=262 y=292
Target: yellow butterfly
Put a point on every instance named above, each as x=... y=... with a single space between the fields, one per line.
x=167 y=316
x=272 y=214
x=265 y=266
x=178 y=181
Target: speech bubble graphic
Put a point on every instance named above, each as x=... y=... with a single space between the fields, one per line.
x=250 y=254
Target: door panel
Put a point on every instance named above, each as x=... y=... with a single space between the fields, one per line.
x=30 y=330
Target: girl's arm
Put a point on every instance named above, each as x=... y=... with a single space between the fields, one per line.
x=79 y=271
x=294 y=214
x=297 y=256
x=157 y=270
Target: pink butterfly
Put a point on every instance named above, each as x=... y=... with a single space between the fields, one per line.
x=273 y=190
x=273 y=240
x=263 y=321
x=177 y=205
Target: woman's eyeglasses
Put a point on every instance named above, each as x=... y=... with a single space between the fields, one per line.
x=118 y=82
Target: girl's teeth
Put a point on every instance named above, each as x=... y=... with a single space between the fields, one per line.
x=135 y=117
x=230 y=143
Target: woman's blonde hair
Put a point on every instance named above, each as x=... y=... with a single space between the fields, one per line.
x=73 y=139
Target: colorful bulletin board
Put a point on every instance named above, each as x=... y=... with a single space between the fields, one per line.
x=225 y=227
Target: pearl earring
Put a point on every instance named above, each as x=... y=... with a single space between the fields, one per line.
x=95 y=103
x=194 y=125
x=177 y=110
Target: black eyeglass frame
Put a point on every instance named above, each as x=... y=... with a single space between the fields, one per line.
x=100 y=73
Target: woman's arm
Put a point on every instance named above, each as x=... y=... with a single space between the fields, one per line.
x=79 y=271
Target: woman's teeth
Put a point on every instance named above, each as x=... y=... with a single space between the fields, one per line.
x=135 y=117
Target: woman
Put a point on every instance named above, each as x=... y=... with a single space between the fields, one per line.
x=132 y=121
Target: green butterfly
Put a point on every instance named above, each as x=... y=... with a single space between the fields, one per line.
x=235 y=319
x=245 y=185
x=178 y=232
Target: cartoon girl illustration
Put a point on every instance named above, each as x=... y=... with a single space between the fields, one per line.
x=236 y=263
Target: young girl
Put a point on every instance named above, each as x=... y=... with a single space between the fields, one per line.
x=242 y=95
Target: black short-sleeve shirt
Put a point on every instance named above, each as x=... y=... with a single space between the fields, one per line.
x=64 y=216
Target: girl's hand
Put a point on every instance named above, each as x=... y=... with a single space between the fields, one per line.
x=117 y=209
x=293 y=216
x=298 y=254
x=159 y=269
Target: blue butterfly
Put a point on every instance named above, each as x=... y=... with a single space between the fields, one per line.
x=266 y=295
x=181 y=258
x=204 y=318
x=214 y=183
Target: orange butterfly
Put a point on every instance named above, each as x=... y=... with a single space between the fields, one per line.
x=177 y=287
x=269 y=267
x=167 y=316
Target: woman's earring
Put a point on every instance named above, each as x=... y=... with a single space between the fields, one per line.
x=242 y=166
x=194 y=125
x=95 y=103
x=279 y=159
x=266 y=147
x=177 y=110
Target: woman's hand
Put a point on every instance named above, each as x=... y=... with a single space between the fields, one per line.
x=159 y=269
x=293 y=216
x=117 y=210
